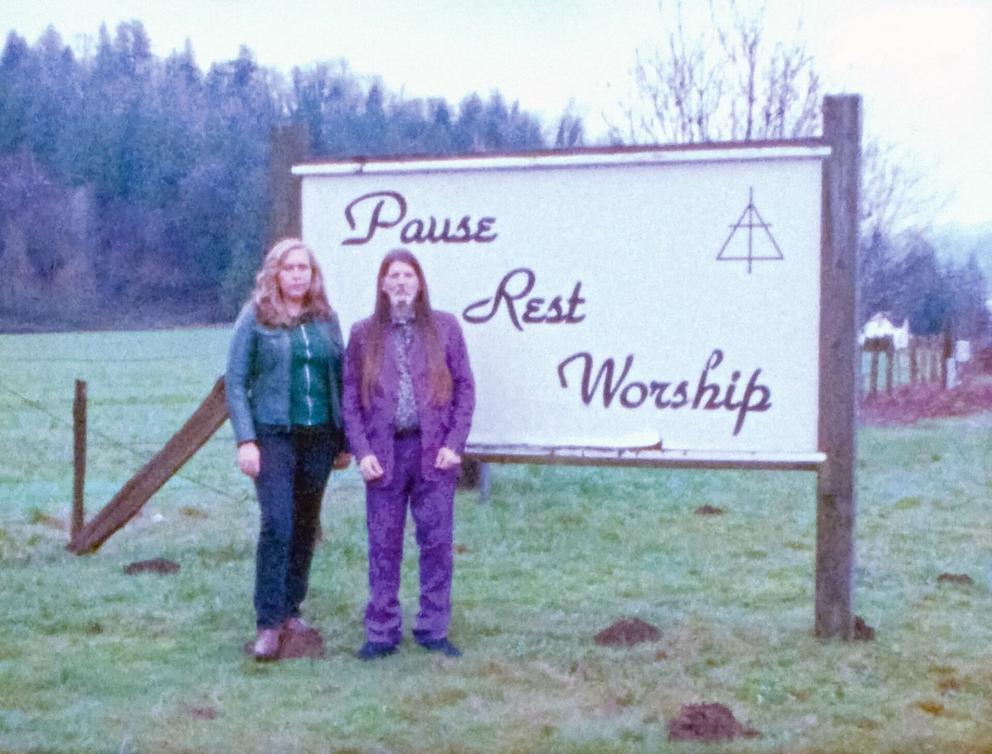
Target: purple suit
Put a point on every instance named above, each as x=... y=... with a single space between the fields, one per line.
x=409 y=476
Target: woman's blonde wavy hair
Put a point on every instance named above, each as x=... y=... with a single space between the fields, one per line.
x=270 y=307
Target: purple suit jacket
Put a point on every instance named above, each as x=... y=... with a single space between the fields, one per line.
x=371 y=429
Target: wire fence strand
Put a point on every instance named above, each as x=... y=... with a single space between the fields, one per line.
x=38 y=406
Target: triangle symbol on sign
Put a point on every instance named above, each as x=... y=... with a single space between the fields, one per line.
x=744 y=245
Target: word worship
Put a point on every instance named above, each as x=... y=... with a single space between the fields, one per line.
x=381 y=210
x=707 y=395
x=535 y=310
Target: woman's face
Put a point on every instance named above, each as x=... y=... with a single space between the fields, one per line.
x=401 y=284
x=295 y=275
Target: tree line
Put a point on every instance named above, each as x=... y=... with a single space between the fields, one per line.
x=131 y=181
x=904 y=277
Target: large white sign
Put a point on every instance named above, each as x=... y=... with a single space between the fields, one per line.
x=608 y=299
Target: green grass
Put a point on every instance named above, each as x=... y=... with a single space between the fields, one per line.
x=92 y=660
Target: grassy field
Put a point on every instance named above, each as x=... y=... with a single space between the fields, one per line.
x=93 y=660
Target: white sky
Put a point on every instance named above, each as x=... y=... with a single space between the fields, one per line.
x=924 y=67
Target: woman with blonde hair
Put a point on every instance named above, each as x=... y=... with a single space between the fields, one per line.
x=284 y=381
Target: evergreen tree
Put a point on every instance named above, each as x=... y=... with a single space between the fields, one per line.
x=149 y=176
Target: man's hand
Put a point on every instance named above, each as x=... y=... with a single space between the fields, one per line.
x=248 y=459
x=446 y=459
x=370 y=467
x=342 y=460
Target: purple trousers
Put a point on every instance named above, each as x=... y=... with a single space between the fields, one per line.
x=432 y=507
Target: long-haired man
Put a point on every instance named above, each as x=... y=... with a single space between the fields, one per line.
x=408 y=402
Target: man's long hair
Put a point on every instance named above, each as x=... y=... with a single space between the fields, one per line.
x=270 y=306
x=423 y=323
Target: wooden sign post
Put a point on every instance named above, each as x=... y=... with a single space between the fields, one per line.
x=840 y=369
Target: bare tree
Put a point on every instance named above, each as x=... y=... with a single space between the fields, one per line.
x=718 y=76
x=723 y=82
x=895 y=199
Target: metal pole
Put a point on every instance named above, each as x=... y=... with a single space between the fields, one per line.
x=485 y=486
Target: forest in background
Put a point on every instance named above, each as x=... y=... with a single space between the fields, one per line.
x=134 y=189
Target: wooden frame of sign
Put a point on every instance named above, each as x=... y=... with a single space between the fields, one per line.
x=837 y=378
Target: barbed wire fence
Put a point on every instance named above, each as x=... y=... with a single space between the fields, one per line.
x=131 y=448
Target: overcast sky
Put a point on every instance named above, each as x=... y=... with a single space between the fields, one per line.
x=923 y=66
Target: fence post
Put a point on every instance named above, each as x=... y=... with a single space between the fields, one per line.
x=935 y=368
x=873 y=376
x=124 y=506
x=897 y=359
x=78 y=460
x=946 y=354
x=890 y=355
x=840 y=367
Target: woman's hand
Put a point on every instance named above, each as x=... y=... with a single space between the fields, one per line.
x=342 y=460
x=248 y=459
x=446 y=459
x=370 y=467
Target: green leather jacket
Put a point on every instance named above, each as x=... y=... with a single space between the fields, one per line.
x=257 y=379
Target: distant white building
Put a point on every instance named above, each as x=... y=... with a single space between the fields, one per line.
x=880 y=325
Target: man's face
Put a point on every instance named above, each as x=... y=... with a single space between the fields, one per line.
x=401 y=284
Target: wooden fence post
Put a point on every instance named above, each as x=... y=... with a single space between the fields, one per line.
x=840 y=367
x=124 y=506
x=78 y=460
x=946 y=352
x=873 y=375
x=890 y=355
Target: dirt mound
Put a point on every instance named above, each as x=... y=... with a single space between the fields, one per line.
x=296 y=645
x=706 y=722
x=305 y=644
x=911 y=403
x=627 y=633
x=955 y=578
x=708 y=510
x=155 y=565
x=200 y=713
x=862 y=631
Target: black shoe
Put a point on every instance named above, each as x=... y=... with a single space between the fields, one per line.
x=372 y=650
x=443 y=646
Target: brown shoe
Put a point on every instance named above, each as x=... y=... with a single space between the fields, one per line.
x=267 y=644
x=296 y=625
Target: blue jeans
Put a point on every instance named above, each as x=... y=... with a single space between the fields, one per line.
x=295 y=466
